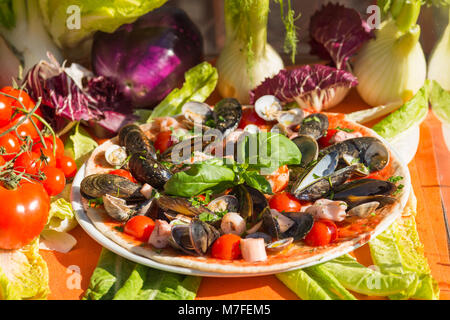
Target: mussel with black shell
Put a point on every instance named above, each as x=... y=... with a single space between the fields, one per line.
x=100 y=184
x=227 y=115
x=284 y=225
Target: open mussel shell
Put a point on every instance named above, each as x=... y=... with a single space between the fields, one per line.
x=181 y=206
x=135 y=141
x=323 y=186
x=227 y=203
x=322 y=168
x=370 y=151
x=149 y=170
x=308 y=147
x=314 y=125
x=251 y=203
x=194 y=238
x=117 y=208
x=287 y=224
x=362 y=191
x=197 y=112
x=268 y=107
x=98 y=185
x=290 y=118
x=183 y=150
x=364 y=210
x=279 y=245
x=227 y=115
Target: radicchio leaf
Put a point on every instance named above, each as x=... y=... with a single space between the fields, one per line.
x=74 y=94
x=311 y=86
x=337 y=32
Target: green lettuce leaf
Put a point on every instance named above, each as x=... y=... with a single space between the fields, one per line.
x=98 y=15
x=120 y=279
x=200 y=81
x=398 y=251
x=80 y=145
x=358 y=278
x=23 y=273
x=303 y=285
x=61 y=216
x=410 y=114
x=440 y=102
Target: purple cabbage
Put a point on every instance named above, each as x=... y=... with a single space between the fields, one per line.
x=311 y=86
x=148 y=58
x=74 y=94
x=336 y=33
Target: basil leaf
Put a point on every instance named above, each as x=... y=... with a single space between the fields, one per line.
x=257 y=181
x=198 y=179
x=268 y=150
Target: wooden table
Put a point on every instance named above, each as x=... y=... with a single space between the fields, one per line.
x=430 y=174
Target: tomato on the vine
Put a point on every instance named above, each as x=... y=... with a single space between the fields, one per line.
x=54 y=181
x=32 y=162
x=6 y=112
x=23 y=217
x=10 y=145
x=20 y=95
x=286 y=202
x=226 y=247
x=124 y=173
x=322 y=233
x=140 y=227
x=67 y=165
x=2 y=161
x=163 y=141
x=59 y=146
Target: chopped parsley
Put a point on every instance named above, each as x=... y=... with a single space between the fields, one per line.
x=395 y=179
x=345 y=129
x=119 y=228
x=95 y=202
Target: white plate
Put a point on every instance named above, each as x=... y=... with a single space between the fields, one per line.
x=92 y=231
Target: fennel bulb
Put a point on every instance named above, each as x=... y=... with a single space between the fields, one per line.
x=247 y=59
x=25 y=35
x=439 y=65
x=392 y=66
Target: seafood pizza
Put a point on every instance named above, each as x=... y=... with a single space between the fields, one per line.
x=244 y=189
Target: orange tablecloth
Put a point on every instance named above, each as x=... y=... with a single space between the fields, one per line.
x=430 y=173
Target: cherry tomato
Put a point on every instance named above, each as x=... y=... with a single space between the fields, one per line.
x=163 y=141
x=29 y=162
x=23 y=217
x=286 y=202
x=227 y=247
x=322 y=233
x=67 y=165
x=249 y=116
x=11 y=145
x=21 y=95
x=54 y=182
x=6 y=111
x=279 y=179
x=2 y=161
x=325 y=140
x=49 y=144
x=48 y=159
x=140 y=227
x=124 y=173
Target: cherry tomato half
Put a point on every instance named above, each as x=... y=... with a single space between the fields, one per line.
x=140 y=227
x=54 y=182
x=124 y=173
x=227 y=247
x=325 y=140
x=286 y=202
x=322 y=233
x=67 y=165
x=163 y=141
x=249 y=116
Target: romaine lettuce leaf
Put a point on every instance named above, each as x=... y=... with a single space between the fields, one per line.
x=412 y=113
x=303 y=285
x=98 y=15
x=358 y=278
x=200 y=81
x=61 y=216
x=440 y=102
x=79 y=145
x=120 y=279
x=23 y=273
x=398 y=251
